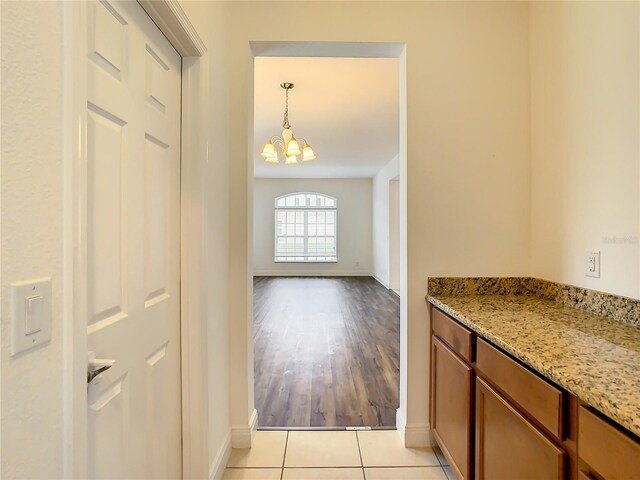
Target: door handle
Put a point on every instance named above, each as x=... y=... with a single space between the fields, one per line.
x=95 y=366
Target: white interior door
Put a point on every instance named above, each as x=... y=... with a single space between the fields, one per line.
x=133 y=251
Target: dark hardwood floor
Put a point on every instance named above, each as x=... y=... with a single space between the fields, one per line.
x=326 y=352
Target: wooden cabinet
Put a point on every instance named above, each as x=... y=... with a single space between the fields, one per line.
x=606 y=449
x=495 y=418
x=451 y=407
x=509 y=446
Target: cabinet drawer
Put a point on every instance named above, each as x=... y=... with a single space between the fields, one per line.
x=534 y=395
x=609 y=451
x=459 y=338
x=508 y=446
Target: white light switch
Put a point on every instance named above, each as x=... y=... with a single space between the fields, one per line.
x=34 y=314
x=30 y=314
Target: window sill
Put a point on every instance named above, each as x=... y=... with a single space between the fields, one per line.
x=305 y=261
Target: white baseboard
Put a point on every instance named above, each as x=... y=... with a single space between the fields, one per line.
x=216 y=470
x=401 y=424
x=308 y=273
x=380 y=281
x=242 y=435
x=414 y=435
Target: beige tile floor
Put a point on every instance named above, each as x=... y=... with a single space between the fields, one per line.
x=340 y=455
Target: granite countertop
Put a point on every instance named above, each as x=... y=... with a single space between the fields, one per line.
x=596 y=358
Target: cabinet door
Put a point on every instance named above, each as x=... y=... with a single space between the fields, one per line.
x=607 y=449
x=451 y=397
x=508 y=446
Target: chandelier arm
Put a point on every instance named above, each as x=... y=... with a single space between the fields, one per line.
x=279 y=142
x=303 y=141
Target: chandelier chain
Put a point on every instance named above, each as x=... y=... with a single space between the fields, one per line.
x=285 y=123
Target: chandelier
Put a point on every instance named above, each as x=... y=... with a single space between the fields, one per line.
x=288 y=144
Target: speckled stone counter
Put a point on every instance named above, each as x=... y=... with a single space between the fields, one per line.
x=596 y=358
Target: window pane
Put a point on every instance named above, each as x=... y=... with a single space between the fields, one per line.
x=300 y=217
x=312 y=217
x=291 y=217
x=329 y=202
x=311 y=229
x=299 y=228
x=290 y=200
x=321 y=230
x=330 y=229
x=311 y=200
x=281 y=202
x=330 y=216
x=281 y=216
x=321 y=217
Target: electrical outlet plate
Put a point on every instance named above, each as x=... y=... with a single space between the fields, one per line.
x=592 y=266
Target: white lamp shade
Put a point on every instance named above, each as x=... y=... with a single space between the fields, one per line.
x=269 y=150
x=293 y=148
x=291 y=159
x=307 y=154
x=272 y=159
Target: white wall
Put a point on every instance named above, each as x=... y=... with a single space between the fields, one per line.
x=468 y=146
x=585 y=142
x=353 y=228
x=381 y=220
x=208 y=243
x=32 y=246
x=394 y=234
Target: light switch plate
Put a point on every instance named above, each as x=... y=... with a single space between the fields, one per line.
x=592 y=267
x=30 y=300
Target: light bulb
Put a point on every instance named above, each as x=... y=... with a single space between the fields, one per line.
x=291 y=159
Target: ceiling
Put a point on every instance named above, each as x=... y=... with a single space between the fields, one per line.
x=346 y=108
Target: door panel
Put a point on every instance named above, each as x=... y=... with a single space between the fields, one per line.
x=106 y=250
x=133 y=230
x=156 y=225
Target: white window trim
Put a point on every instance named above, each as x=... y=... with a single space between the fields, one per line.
x=306 y=209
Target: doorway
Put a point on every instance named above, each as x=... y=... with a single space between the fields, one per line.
x=326 y=334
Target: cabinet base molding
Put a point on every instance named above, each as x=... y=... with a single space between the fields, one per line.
x=414 y=435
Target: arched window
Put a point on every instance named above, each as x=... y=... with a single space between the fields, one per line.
x=305 y=229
